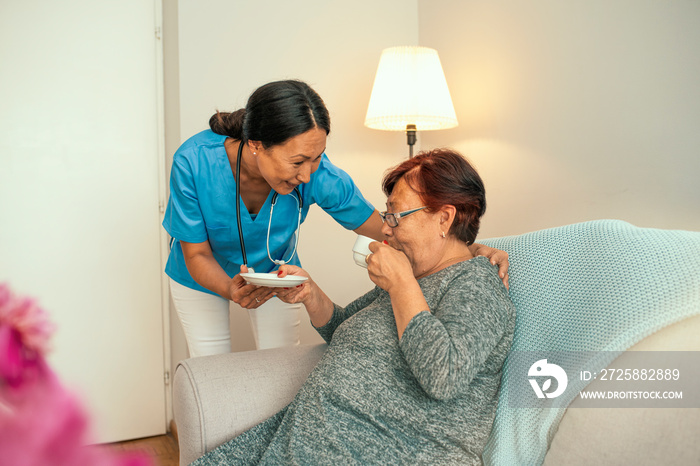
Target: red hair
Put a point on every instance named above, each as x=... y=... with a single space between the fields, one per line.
x=443 y=177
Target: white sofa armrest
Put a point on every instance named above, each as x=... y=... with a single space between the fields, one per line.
x=206 y=403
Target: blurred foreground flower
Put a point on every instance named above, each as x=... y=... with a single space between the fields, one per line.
x=41 y=423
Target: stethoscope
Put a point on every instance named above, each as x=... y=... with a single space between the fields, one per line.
x=300 y=204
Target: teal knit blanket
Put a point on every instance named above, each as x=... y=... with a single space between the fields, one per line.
x=598 y=286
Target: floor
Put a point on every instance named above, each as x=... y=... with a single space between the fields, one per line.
x=163 y=449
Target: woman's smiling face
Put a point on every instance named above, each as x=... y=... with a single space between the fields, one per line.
x=285 y=166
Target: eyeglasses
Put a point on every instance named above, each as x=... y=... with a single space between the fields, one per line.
x=392 y=219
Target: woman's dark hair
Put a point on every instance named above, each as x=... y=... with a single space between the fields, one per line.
x=443 y=177
x=275 y=112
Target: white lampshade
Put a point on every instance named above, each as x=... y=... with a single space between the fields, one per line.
x=410 y=89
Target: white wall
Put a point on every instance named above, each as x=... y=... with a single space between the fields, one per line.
x=171 y=91
x=227 y=49
x=574 y=111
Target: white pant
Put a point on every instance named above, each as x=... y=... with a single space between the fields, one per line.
x=205 y=320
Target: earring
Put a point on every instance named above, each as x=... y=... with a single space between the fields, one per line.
x=443 y=234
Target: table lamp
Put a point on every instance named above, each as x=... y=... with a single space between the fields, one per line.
x=410 y=93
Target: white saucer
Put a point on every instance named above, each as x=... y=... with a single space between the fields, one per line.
x=272 y=280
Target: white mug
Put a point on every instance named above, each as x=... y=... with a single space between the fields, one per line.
x=360 y=250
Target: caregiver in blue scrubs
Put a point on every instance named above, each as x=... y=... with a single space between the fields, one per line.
x=277 y=145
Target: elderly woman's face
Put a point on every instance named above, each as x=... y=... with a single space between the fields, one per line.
x=417 y=235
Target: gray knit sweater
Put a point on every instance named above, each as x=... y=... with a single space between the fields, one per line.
x=429 y=398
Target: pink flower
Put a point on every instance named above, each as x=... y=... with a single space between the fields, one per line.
x=40 y=422
x=27 y=318
x=24 y=339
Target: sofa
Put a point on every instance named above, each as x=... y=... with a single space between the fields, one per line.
x=603 y=288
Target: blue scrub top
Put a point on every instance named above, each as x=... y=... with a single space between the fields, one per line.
x=202 y=207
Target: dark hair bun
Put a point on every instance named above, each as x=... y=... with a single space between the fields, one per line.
x=228 y=123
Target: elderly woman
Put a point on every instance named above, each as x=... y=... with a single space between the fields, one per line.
x=412 y=370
